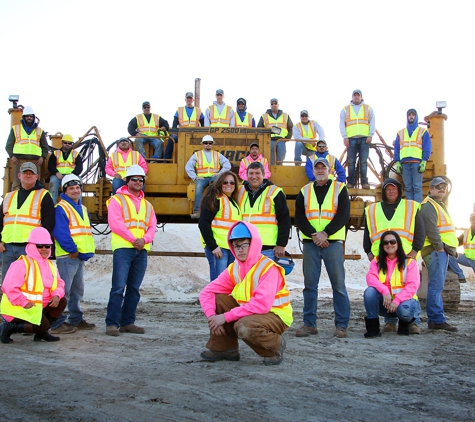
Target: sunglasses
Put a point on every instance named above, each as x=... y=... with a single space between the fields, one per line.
x=207 y=143
x=273 y=103
x=389 y=242
x=137 y=179
x=441 y=187
x=229 y=182
x=67 y=143
x=43 y=246
x=146 y=107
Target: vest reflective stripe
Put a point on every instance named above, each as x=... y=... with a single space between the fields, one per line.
x=403 y=223
x=19 y=222
x=469 y=244
x=193 y=120
x=357 y=124
x=148 y=128
x=137 y=223
x=79 y=229
x=248 y=161
x=318 y=217
x=205 y=168
x=411 y=146
x=32 y=289
x=444 y=224
x=281 y=122
x=118 y=161
x=398 y=279
x=228 y=213
x=244 y=289
x=217 y=119
x=331 y=161
x=262 y=213
x=307 y=132
x=66 y=166
x=247 y=122
x=27 y=144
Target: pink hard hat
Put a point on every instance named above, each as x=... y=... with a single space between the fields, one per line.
x=40 y=236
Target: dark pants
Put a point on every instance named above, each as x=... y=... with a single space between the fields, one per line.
x=49 y=315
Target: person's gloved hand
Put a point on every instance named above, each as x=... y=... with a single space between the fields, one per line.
x=422 y=166
x=398 y=167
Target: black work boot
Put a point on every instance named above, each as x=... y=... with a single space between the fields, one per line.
x=372 y=327
x=9 y=328
x=403 y=327
x=45 y=336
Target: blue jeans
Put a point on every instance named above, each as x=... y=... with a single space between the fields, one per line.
x=333 y=257
x=54 y=184
x=466 y=262
x=269 y=253
x=72 y=272
x=11 y=254
x=358 y=146
x=217 y=266
x=454 y=266
x=436 y=263
x=300 y=150
x=200 y=187
x=279 y=150
x=155 y=143
x=128 y=269
x=173 y=139
x=406 y=311
x=412 y=181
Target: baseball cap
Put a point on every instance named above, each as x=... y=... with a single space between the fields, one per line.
x=304 y=112
x=321 y=141
x=28 y=167
x=357 y=91
x=322 y=161
x=241 y=100
x=254 y=144
x=124 y=139
x=219 y=91
x=145 y=103
x=437 y=181
x=189 y=95
x=274 y=99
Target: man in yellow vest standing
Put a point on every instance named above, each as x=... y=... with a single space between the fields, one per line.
x=440 y=243
x=281 y=126
x=22 y=210
x=150 y=125
x=306 y=133
x=243 y=119
x=74 y=246
x=203 y=168
x=120 y=160
x=132 y=222
x=322 y=209
x=357 y=127
x=412 y=149
x=62 y=162
x=26 y=143
x=219 y=114
x=250 y=301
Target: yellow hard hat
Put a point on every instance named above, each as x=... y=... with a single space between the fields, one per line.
x=67 y=138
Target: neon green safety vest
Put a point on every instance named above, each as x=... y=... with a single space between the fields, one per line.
x=203 y=167
x=307 y=132
x=66 y=166
x=247 y=122
x=193 y=120
x=280 y=122
x=228 y=213
x=27 y=144
x=469 y=244
x=217 y=119
x=398 y=279
x=444 y=224
x=120 y=166
x=411 y=146
x=357 y=124
x=150 y=128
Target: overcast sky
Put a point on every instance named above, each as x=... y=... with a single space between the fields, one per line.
x=92 y=63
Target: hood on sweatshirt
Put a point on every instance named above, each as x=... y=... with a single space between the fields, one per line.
x=394 y=182
x=411 y=127
x=255 y=247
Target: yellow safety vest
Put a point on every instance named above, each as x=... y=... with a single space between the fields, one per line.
x=27 y=144
x=444 y=224
x=33 y=289
x=193 y=120
x=66 y=166
x=148 y=128
x=281 y=122
x=411 y=146
x=318 y=217
x=262 y=213
x=247 y=122
x=248 y=161
x=19 y=222
x=203 y=167
x=307 y=132
x=228 y=213
x=120 y=166
x=469 y=244
x=137 y=223
x=244 y=289
x=331 y=161
x=217 y=119
x=357 y=124
x=79 y=228
x=403 y=223
x=398 y=279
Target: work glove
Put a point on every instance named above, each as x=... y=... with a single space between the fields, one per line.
x=398 y=167
x=422 y=166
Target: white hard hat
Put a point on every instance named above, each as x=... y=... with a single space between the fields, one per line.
x=135 y=170
x=66 y=181
x=207 y=138
x=27 y=111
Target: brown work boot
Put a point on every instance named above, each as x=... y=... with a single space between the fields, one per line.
x=279 y=354
x=84 y=325
x=389 y=327
x=64 y=328
x=305 y=330
x=443 y=326
x=414 y=329
x=132 y=328
x=212 y=356
x=340 y=332
x=112 y=330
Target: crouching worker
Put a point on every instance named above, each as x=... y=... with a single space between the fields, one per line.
x=249 y=301
x=33 y=291
x=393 y=280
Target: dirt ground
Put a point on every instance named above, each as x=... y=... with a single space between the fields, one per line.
x=159 y=376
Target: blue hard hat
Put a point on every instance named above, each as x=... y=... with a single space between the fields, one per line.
x=286 y=262
x=240 y=231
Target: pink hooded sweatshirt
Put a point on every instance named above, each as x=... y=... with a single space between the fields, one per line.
x=243 y=168
x=15 y=277
x=263 y=298
x=413 y=280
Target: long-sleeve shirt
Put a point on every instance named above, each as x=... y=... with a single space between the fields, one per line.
x=340 y=171
x=110 y=167
x=52 y=163
x=297 y=134
x=133 y=126
x=412 y=280
x=243 y=167
x=356 y=108
x=190 y=166
x=220 y=109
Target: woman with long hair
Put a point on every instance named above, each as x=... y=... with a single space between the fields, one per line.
x=393 y=280
x=219 y=210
